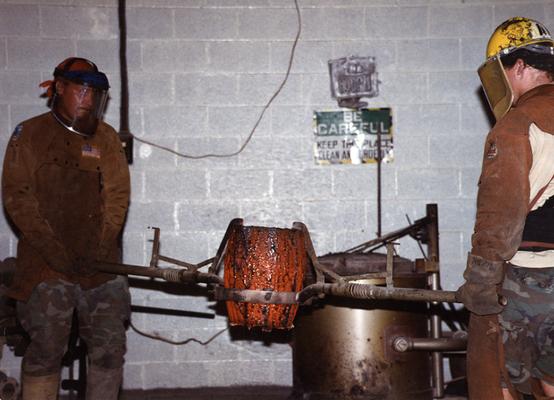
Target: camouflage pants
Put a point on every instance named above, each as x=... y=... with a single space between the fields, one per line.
x=47 y=316
x=527 y=324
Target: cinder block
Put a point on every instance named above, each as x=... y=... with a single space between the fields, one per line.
x=174 y=56
x=134 y=248
x=208 y=145
x=3 y=52
x=149 y=23
x=403 y=87
x=267 y=23
x=19 y=20
x=191 y=247
x=452 y=275
x=346 y=240
x=336 y=215
x=141 y=349
x=240 y=184
x=462 y=151
x=230 y=373
x=316 y=93
x=258 y=89
x=147 y=156
x=75 y=22
x=20 y=88
x=414 y=151
x=174 y=185
x=220 y=348
x=457 y=215
x=477 y=119
x=290 y=121
x=151 y=89
x=47 y=53
x=323 y=240
x=435 y=183
x=5 y=244
x=460 y=21
x=332 y=23
x=238 y=57
x=177 y=121
x=206 y=23
x=282 y=372
x=132 y=376
x=384 y=51
x=450 y=245
x=395 y=22
x=237 y=3
x=529 y=10
x=206 y=216
x=470 y=181
x=304 y=184
x=473 y=52
x=211 y=90
x=195 y=312
x=236 y=121
x=454 y=87
x=427 y=119
x=360 y=182
x=187 y=374
x=279 y=213
x=272 y=152
x=143 y=215
x=105 y=54
x=429 y=55
x=256 y=349
x=309 y=56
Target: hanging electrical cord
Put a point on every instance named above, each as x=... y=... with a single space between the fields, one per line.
x=251 y=134
x=175 y=342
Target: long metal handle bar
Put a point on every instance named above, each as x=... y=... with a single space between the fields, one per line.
x=168 y=274
x=372 y=292
x=392 y=236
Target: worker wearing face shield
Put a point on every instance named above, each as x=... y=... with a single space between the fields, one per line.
x=65 y=187
x=511 y=342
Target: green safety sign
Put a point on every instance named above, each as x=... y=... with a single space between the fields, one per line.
x=350 y=137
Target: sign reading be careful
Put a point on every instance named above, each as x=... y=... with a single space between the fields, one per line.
x=350 y=137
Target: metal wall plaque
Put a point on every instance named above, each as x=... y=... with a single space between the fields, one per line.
x=350 y=137
x=353 y=78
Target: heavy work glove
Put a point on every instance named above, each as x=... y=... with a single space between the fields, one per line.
x=479 y=292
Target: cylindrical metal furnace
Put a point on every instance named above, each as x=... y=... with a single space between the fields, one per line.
x=343 y=347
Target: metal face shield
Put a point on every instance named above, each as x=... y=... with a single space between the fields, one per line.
x=80 y=107
x=496 y=86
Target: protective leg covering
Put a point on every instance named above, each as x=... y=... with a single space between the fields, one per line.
x=103 y=384
x=40 y=387
x=483 y=373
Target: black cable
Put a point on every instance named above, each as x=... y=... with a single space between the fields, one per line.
x=175 y=342
x=291 y=59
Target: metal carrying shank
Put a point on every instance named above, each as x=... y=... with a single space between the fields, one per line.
x=168 y=274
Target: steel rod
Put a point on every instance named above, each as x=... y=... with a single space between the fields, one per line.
x=372 y=292
x=168 y=274
x=403 y=344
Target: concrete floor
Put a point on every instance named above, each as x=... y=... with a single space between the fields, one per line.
x=230 y=393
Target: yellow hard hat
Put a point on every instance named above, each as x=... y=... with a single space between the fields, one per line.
x=515 y=33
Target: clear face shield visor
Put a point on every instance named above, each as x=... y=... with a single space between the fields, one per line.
x=80 y=107
x=496 y=86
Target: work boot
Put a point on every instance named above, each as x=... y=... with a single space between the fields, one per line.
x=40 y=387
x=103 y=384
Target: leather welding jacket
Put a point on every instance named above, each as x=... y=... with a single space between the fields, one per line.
x=65 y=193
x=503 y=202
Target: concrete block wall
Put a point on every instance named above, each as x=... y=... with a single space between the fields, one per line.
x=200 y=72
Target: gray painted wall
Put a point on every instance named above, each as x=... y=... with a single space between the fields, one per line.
x=200 y=73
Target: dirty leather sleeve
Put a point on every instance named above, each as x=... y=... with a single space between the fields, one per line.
x=21 y=204
x=503 y=196
x=116 y=192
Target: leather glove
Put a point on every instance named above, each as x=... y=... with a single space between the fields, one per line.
x=480 y=291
